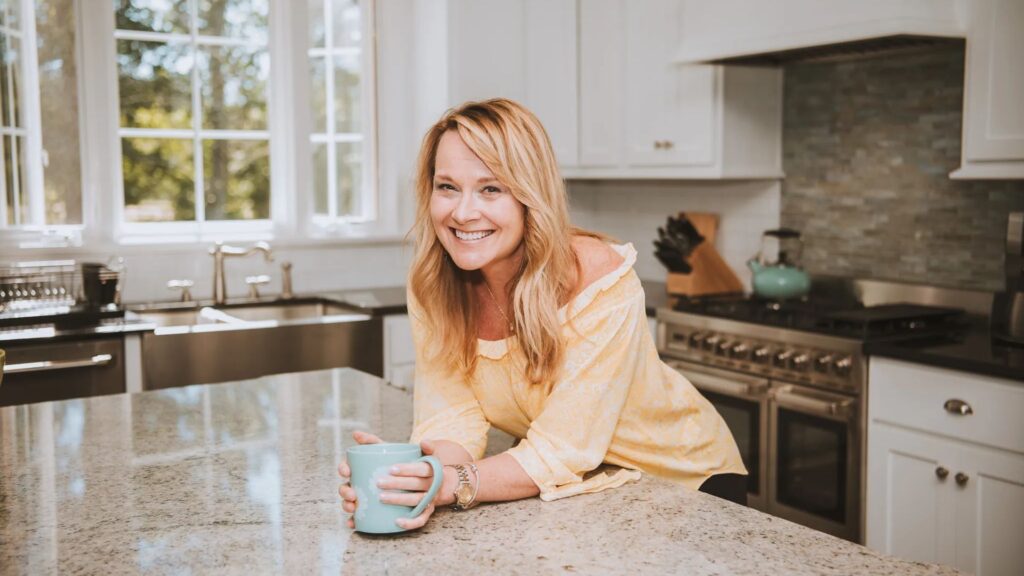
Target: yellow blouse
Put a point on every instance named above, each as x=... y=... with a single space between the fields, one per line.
x=615 y=402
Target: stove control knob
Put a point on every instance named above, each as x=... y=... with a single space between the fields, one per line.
x=800 y=361
x=782 y=358
x=822 y=363
x=724 y=348
x=711 y=342
x=740 y=350
x=843 y=365
x=697 y=338
x=762 y=354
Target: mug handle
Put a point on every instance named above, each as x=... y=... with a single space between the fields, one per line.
x=435 y=485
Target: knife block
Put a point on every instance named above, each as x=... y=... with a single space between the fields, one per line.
x=711 y=275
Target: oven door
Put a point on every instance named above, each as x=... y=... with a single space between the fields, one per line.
x=814 y=472
x=742 y=401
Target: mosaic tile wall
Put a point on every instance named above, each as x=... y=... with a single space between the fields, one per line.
x=868 y=145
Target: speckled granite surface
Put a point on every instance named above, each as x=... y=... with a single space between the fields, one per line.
x=240 y=479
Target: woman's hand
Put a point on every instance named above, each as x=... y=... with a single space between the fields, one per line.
x=415 y=478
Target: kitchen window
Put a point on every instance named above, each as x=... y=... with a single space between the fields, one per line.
x=341 y=71
x=192 y=86
x=40 y=165
x=190 y=115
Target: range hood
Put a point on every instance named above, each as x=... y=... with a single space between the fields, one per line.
x=767 y=33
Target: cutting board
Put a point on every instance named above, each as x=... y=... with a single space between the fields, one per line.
x=711 y=274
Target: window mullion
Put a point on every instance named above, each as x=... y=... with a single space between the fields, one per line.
x=332 y=147
x=197 y=118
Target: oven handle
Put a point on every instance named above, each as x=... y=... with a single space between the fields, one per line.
x=720 y=382
x=786 y=397
x=49 y=366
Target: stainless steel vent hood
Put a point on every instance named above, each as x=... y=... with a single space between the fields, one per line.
x=758 y=32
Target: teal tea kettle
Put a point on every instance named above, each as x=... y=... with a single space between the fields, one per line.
x=779 y=278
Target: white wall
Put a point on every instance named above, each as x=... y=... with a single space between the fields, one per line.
x=633 y=210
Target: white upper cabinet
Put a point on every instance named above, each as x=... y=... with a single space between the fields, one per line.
x=642 y=115
x=993 y=135
x=524 y=50
x=601 y=76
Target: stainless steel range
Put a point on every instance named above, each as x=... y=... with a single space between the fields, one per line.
x=790 y=380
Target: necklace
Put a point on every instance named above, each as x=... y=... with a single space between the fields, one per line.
x=511 y=326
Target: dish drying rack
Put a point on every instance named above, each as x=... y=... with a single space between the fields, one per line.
x=34 y=287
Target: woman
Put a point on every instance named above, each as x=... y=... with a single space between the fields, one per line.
x=525 y=323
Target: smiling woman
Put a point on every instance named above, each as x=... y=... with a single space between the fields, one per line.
x=528 y=324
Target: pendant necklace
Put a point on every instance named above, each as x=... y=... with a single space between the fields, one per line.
x=511 y=326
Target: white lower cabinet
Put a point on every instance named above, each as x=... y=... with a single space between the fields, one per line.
x=934 y=492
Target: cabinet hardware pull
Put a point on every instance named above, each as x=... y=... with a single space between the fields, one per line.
x=961 y=479
x=941 y=472
x=658 y=145
x=958 y=407
x=48 y=365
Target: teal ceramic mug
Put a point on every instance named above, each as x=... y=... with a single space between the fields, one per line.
x=371 y=462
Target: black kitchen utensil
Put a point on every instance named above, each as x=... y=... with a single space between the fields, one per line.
x=676 y=241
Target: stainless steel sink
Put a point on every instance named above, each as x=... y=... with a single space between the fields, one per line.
x=287 y=311
x=245 y=313
x=205 y=344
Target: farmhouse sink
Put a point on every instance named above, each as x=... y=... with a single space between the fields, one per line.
x=198 y=344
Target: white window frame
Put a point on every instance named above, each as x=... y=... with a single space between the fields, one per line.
x=367 y=86
x=292 y=218
x=31 y=129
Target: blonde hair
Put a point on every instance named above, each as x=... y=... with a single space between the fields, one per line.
x=513 y=144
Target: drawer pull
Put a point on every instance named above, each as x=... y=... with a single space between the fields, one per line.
x=941 y=472
x=48 y=366
x=958 y=407
x=961 y=479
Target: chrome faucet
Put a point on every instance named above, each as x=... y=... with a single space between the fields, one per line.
x=221 y=251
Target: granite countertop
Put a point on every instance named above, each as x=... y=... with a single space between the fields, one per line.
x=240 y=478
x=973 y=350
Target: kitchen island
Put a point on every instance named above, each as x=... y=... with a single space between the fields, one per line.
x=240 y=478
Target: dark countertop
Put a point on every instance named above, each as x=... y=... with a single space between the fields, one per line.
x=374 y=301
x=972 y=351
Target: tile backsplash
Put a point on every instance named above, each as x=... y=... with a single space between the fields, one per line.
x=868 y=147
x=632 y=211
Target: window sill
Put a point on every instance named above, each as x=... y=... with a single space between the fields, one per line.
x=32 y=247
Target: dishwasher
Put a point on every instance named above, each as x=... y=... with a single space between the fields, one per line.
x=62 y=370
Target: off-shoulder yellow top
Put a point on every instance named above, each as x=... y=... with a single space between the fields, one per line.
x=615 y=401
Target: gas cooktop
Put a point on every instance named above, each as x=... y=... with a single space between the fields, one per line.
x=841 y=319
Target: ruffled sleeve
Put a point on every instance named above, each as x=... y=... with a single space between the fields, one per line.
x=444 y=406
x=572 y=434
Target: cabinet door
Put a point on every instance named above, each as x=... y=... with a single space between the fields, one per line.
x=601 y=75
x=994 y=92
x=910 y=511
x=990 y=512
x=551 y=72
x=486 y=50
x=670 y=107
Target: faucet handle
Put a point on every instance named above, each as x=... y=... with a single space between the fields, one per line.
x=254 y=283
x=286 y=281
x=185 y=286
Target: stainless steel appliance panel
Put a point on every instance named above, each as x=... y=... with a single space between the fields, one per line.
x=181 y=359
x=814 y=472
x=62 y=370
x=742 y=401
